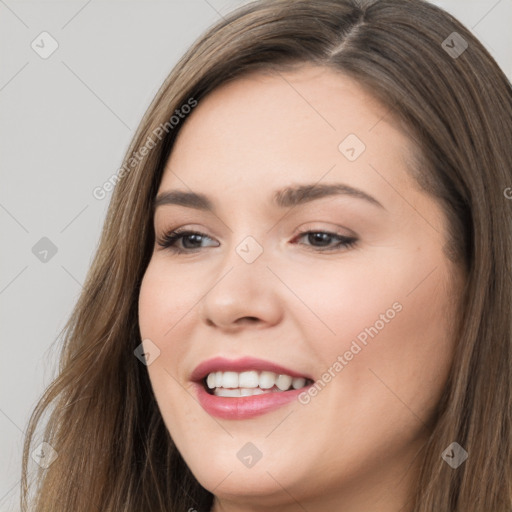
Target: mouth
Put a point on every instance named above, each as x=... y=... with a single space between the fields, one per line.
x=246 y=387
x=250 y=383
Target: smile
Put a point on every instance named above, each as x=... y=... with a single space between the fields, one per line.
x=245 y=388
x=250 y=383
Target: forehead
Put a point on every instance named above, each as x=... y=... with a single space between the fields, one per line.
x=311 y=96
x=275 y=127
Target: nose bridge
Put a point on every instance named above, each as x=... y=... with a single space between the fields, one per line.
x=244 y=287
x=245 y=270
x=249 y=243
x=250 y=250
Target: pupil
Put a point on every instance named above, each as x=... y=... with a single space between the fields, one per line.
x=320 y=237
x=193 y=236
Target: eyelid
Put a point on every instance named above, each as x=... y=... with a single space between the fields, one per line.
x=321 y=226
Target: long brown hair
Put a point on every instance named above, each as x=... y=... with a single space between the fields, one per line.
x=114 y=451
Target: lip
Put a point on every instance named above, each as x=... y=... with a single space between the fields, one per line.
x=244 y=407
x=239 y=408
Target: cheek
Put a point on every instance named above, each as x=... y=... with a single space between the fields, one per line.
x=164 y=308
x=164 y=302
x=166 y=295
x=383 y=326
x=381 y=375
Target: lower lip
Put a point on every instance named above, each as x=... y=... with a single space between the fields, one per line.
x=234 y=408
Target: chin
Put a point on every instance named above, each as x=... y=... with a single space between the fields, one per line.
x=228 y=471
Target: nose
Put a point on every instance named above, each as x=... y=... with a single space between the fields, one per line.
x=243 y=295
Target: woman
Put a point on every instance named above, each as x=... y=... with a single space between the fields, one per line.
x=225 y=354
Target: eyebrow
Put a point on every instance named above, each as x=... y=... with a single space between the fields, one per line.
x=284 y=198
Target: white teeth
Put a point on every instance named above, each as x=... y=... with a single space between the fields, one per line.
x=298 y=382
x=251 y=391
x=267 y=380
x=248 y=379
x=227 y=392
x=210 y=381
x=251 y=382
x=230 y=380
x=238 y=392
x=284 y=382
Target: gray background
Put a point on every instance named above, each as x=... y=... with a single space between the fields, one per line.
x=66 y=123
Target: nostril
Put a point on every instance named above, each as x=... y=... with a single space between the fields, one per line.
x=250 y=319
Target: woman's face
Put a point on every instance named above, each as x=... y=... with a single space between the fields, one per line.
x=357 y=318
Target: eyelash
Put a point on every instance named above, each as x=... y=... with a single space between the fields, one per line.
x=170 y=238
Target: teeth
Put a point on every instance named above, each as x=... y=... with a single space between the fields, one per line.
x=230 y=380
x=298 y=382
x=248 y=379
x=267 y=380
x=238 y=392
x=227 y=392
x=284 y=382
x=251 y=382
x=251 y=391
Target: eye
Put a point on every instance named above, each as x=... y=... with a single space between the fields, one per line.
x=324 y=240
x=168 y=241
x=191 y=241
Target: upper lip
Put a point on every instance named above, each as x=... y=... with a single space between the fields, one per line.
x=221 y=364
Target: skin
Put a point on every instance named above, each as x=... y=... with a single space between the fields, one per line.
x=353 y=446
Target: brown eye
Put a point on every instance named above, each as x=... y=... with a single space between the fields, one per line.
x=191 y=241
x=319 y=239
